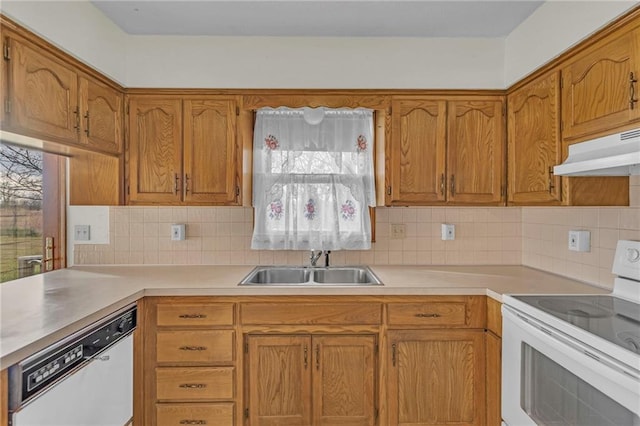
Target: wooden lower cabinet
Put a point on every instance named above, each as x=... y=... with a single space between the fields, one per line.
x=436 y=377
x=218 y=414
x=494 y=376
x=311 y=380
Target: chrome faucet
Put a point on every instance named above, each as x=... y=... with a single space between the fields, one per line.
x=313 y=258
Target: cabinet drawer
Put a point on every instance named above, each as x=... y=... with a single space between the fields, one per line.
x=220 y=414
x=311 y=313
x=194 y=383
x=195 y=315
x=426 y=314
x=197 y=346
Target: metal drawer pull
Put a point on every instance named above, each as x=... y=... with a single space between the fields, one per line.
x=193 y=385
x=193 y=316
x=193 y=348
x=632 y=90
x=428 y=315
x=193 y=422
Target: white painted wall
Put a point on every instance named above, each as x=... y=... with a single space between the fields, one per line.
x=307 y=62
x=76 y=27
x=553 y=28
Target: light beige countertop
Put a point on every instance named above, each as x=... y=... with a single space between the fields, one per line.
x=39 y=310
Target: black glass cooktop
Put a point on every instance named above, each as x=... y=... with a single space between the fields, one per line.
x=611 y=318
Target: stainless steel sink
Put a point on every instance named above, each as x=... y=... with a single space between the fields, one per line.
x=308 y=276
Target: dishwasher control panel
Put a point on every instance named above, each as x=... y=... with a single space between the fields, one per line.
x=43 y=369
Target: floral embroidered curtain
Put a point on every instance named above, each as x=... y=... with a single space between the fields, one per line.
x=313 y=179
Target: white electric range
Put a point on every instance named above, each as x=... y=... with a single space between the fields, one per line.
x=575 y=359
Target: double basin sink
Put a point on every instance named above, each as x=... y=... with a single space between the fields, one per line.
x=304 y=275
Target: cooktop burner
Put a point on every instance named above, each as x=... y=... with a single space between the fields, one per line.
x=611 y=318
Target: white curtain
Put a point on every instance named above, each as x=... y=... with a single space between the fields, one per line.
x=313 y=179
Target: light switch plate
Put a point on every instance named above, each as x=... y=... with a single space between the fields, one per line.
x=398 y=230
x=82 y=232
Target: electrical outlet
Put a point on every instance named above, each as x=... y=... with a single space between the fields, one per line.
x=448 y=232
x=178 y=232
x=580 y=241
x=398 y=230
x=81 y=232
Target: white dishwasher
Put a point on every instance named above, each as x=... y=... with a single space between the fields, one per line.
x=85 y=379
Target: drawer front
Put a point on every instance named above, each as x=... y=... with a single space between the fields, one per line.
x=195 y=346
x=220 y=414
x=195 y=315
x=428 y=314
x=194 y=383
x=311 y=313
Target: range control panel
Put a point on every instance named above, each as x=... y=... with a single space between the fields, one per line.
x=42 y=369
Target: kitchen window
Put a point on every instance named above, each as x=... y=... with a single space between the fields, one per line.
x=313 y=179
x=32 y=207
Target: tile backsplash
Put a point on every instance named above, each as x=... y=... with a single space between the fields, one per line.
x=531 y=236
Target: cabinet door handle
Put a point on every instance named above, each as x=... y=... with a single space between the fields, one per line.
x=306 y=357
x=192 y=316
x=632 y=90
x=442 y=183
x=193 y=422
x=193 y=348
x=76 y=112
x=318 y=357
x=86 y=130
x=186 y=183
x=193 y=385
x=176 y=184
x=428 y=315
x=552 y=186
x=453 y=185
x=393 y=354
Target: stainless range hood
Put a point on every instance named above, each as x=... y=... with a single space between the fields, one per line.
x=613 y=155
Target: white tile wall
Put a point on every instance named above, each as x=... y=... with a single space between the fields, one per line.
x=532 y=236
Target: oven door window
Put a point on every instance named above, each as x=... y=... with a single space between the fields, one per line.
x=552 y=395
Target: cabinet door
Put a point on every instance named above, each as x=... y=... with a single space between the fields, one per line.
x=436 y=377
x=101 y=121
x=597 y=87
x=155 y=150
x=279 y=376
x=494 y=377
x=43 y=94
x=534 y=142
x=475 y=157
x=210 y=152
x=343 y=380
x=418 y=144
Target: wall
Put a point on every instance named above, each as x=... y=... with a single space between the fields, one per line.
x=307 y=62
x=222 y=235
x=544 y=237
x=76 y=27
x=553 y=28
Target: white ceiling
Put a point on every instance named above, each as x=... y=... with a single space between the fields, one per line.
x=319 y=18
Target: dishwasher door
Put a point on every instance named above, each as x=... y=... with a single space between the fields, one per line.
x=98 y=394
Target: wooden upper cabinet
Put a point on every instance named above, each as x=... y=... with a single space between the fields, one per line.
x=534 y=143
x=101 y=121
x=418 y=152
x=43 y=94
x=52 y=100
x=155 y=150
x=475 y=157
x=436 y=377
x=210 y=151
x=176 y=162
x=598 y=86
